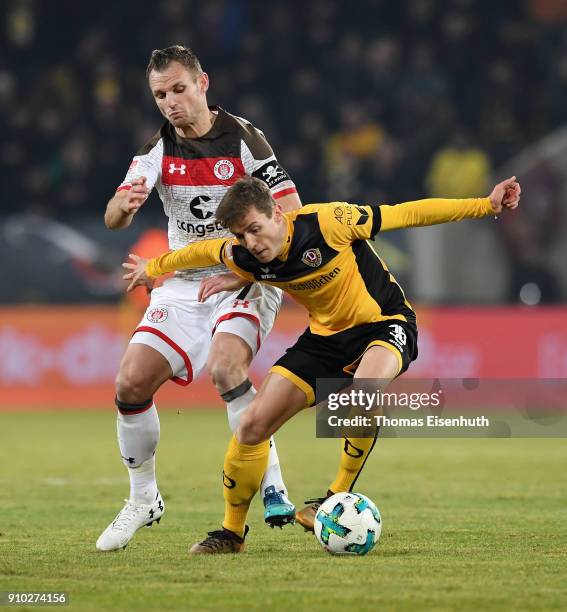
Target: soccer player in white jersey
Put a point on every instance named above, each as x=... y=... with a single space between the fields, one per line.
x=197 y=154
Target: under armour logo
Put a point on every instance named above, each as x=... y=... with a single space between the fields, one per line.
x=152 y=513
x=397 y=331
x=128 y=459
x=240 y=304
x=173 y=168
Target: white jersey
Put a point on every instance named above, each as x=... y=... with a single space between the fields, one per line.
x=192 y=175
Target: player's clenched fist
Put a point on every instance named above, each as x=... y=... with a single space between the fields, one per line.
x=137 y=195
x=505 y=195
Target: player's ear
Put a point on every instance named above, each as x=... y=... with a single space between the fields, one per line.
x=203 y=80
x=278 y=212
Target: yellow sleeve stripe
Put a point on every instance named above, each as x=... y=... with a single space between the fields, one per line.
x=298 y=382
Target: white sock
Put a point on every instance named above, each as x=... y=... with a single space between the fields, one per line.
x=273 y=475
x=138 y=437
x=143 y=485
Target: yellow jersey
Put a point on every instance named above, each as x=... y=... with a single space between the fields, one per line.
x=327 y=263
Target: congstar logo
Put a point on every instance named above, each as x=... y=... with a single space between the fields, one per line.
x=201 y=229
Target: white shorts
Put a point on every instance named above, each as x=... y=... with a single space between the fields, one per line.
x=181 y=328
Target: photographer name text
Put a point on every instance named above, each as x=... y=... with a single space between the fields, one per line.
x=380 y=420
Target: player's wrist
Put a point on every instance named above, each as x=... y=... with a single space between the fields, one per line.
x=149 y=270
x=490 y=205
x=126 y=210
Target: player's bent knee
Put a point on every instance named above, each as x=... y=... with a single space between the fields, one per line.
x=132 y=387
x=252 y=428
x=226 y=372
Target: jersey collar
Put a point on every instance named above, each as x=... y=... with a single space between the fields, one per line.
x=218 y=128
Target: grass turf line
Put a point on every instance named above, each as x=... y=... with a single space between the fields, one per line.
x=468 y=524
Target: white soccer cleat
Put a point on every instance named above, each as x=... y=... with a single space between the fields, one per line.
x=128 y=521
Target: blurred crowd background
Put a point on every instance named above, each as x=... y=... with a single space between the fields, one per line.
x=368 y=101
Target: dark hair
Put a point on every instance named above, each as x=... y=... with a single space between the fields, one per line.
x=161 y=58
x=246 y=193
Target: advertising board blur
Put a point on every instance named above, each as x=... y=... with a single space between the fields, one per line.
x=67 y=357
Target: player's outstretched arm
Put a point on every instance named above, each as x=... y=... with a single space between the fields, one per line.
x=433 y=211
x=121 y=208
x=198 y=255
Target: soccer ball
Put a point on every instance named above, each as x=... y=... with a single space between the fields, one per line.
x=348 y=524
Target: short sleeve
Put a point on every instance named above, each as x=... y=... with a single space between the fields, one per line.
x=260 y=162
x=147 y=162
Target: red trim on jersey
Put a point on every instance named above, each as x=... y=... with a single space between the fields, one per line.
x=245 y=315
x=177 y=349
x=144 y=409
x=284 y=192
x=200 y=172
x=124 y=188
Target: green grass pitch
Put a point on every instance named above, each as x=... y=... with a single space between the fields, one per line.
x=468 y=524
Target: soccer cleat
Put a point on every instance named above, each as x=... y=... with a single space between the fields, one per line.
x=279 y=511
x=306 y=516
x=128 y=521
x=219 y=542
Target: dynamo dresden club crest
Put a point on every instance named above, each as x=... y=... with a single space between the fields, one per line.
x=312 y=258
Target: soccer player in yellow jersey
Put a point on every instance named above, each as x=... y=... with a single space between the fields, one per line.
x=360 y=323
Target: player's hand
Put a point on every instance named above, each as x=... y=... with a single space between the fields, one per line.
x=505 y=195
x=137 y=195
x=137 y=276
x=220 y=282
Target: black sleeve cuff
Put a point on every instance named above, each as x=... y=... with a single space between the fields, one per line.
x=376 y=220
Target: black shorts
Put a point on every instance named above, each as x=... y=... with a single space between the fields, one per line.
x=337 y=356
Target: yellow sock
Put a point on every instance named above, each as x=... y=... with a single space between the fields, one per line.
x=354 y=453
x=244 y=467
